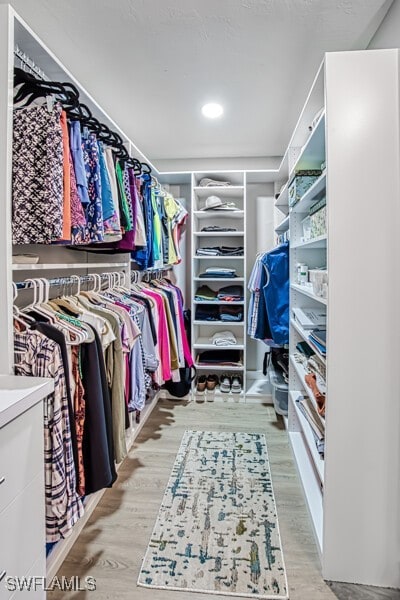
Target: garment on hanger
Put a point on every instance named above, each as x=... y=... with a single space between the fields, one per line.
x=268 y=315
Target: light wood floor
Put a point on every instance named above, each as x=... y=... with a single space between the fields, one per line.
x=112 y=545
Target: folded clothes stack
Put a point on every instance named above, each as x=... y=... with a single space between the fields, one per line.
x=204 y=293
x=207 y=312
x=231 y=293
x=231 y=313
x=228 y=358
x=220 y=251
x=224 y=338
x=218 y=272
x=216 y=228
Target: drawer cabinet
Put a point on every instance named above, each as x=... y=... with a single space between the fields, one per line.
x=21 y=453
x=22 y=503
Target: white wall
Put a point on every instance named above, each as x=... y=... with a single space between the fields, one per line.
x=388 y=34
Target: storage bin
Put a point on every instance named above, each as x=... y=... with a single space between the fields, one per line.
x=319 y=280
x=300 y=183
x=318 y=223
x=306 y=224
x=279 y=391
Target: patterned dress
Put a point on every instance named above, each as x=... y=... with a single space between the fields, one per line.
x=94 y=210
x=37 y=178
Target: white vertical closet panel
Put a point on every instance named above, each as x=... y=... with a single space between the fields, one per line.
x=361 y=495
x=6 y=104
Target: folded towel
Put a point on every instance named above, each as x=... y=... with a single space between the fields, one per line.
x=224 y=338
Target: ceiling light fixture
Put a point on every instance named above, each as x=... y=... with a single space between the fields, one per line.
x=212 y=110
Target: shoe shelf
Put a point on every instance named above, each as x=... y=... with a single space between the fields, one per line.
x=224 y=368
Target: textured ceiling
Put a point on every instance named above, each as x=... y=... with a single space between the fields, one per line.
x=153 y=63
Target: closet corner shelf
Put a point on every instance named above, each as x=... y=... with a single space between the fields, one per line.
x=308 y=436
x=218 y=233
x=301 y=372
x=311 y=486
x=224 y=368
x=318 y=242
x=307 y=292
x=219 y=257
x=313 y=152
x=55 y=266
x=205 y=343
x=305 y=335
x=227 y=191
x=219 y=302
x=312 y=195
x=221 y=323
x=219 y=279
x=225 y=214
x=283 y=226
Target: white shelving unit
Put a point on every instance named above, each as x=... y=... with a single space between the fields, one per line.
x=203 y=330
x=358 y=137
x=67 y=266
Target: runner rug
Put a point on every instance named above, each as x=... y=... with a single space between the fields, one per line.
x=217 y=529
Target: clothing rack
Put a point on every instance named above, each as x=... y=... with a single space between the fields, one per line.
x=29 y=64
x=115 y=277
x=149 y=274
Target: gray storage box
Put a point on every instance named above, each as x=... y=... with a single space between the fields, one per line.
x=279 y=391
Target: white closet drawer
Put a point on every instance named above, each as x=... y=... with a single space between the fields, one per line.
x=37 y=591
x=22 y=533
x=21 y=454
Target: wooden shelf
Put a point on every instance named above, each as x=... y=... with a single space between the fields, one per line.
x=306 y=291
x=308 y=436
x=302 y=374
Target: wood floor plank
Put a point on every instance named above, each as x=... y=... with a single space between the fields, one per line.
x=112 y=545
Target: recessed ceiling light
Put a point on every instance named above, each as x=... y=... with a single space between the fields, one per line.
x=212 y=110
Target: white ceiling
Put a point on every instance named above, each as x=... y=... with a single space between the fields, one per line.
x=152 y=64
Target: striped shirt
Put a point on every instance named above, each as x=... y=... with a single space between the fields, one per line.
x=38 y=356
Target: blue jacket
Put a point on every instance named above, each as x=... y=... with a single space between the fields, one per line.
x=276 y=292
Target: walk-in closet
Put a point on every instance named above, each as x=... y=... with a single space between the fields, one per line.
x=198 y=300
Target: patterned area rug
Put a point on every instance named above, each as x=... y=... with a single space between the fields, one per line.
x=217 y=530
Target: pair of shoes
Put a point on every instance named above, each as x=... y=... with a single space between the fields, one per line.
x=231 y=383
x=208 y=382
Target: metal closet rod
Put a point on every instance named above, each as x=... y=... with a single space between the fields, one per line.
x=30 y=64
x=25 y=285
